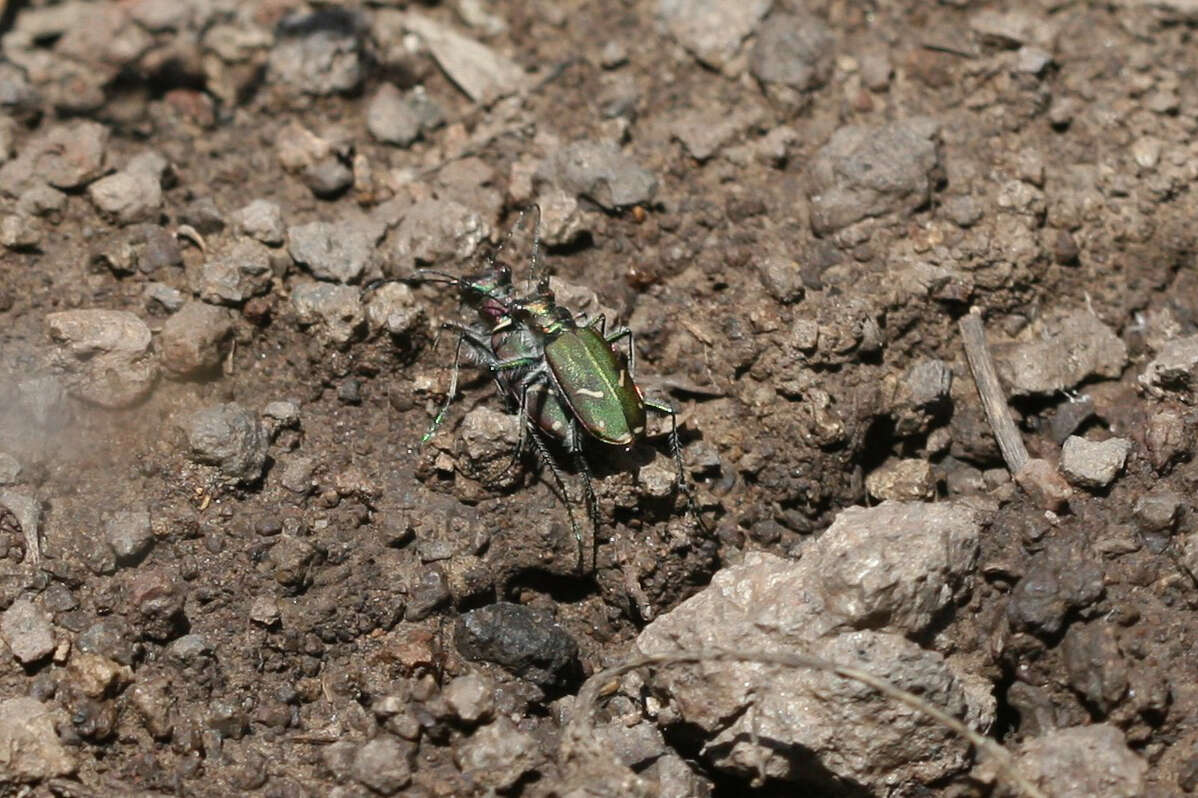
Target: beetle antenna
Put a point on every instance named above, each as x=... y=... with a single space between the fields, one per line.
x=539 y=272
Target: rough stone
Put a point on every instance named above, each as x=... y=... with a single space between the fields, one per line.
x=1057 y=354
x=337 y=309
x=28 y=631
x=66 y=157
x=261 y=220
x=127 y=197
x=437 y=232
x=192 y=341
x=483 y=74
x=105 y=354
x=527 y=642
x=1083 y=762
x=864 y=172
x=497 y=754
x=1093 y=464
x=795 y=50
x=598 y=171
x=382 y=765
x=30 y=751
x=1174 y=370
x=230 y=437
x=318 y=53
x=342 y=252
x=233 y=272
x=469 y=697
x=902 y=480
x=712 y=30
x=130 y=535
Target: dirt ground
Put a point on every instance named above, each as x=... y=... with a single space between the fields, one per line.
x=228 y=562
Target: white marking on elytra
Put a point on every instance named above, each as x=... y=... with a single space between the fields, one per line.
x=556 y=426
x=589 y=393
x=621 y=381
x=638 y=430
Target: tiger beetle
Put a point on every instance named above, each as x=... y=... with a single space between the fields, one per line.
x=567 y=379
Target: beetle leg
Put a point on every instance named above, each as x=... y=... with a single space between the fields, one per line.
x=546 y=457
x=676 y=451
x=481 y=350
x=598 y=324
x=592 y=503
x=617 y=334
x=527 y=427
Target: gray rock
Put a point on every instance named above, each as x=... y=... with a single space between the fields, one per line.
x=109 y=637
x=28 y=512
x=908 y=479
x=264 y=610
x=233 y=272
x=865 y=172
x=130 y=535
x=870 y=569
x=152 y=700
x=897 y=565
x=394 y=307
x=227 y=719
x=168 y=297
x=1083 y=762
x=1050 y=589
x=781 y=277
x=66 y=157
x=526 y=641
x=158 y=598
x=489 y=434
x=562 y=221
x=10 y=469
x=795 y=50
x=470 y=698
x=390 y=119
x=20 y=233
x=437 y=232
x=329 y=177
x=105 y=355
x=705 y=132
x=497 y=754
x=298 y=474
x=261 y=220
x=483 y=74
x=291 y=558
x=336 y=308
x=230 y=437
x=1057 y=354
x=430 y=592
x=712 y=30
x=318 y=53
x=598 y=171
x=341 y=251
x=1157 y=510
x=284 y=411
x=193 y=340
x=1174 y=370
x=1095 y=665
x=382 y=765
x=1093 y=464
x=202 y=215
x=32 y=751
x=127 y=197
x=41 y=200
x=28 y=631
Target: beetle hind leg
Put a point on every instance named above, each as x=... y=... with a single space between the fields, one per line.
x=680 y=468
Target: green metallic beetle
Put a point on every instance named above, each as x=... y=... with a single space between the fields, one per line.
x=568 y=380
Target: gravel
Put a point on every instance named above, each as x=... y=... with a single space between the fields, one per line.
x=32 y=749
x=194 y=340
x=600 y=172
x=130 y=535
